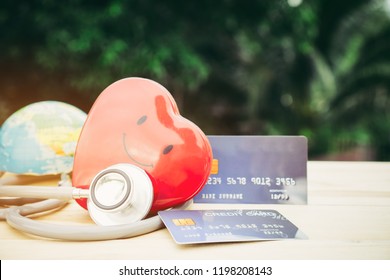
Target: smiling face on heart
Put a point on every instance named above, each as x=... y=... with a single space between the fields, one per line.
x=137 y=121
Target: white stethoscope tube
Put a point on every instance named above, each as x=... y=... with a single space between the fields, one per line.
x=35 y=207
x=63 y=193
x=78 y=232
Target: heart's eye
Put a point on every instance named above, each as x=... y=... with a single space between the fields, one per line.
x=167 y=149
x=142 y=119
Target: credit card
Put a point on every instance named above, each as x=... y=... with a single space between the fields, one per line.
x=209 y=226
x=257 y=170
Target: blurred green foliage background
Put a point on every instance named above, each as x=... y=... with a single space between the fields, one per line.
x=319 y=68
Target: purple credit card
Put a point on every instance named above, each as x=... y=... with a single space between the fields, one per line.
x=257 y=170
x=209 y=226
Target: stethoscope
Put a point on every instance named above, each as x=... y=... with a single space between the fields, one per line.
x=119 y=197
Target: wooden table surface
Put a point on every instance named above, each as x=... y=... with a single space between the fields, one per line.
x=347 y=217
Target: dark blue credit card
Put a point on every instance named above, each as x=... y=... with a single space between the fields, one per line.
x=257 y=170
x=213 y=226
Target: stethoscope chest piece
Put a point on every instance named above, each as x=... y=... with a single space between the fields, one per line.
x=120 y=194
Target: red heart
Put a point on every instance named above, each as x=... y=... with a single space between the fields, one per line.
x=137 y=121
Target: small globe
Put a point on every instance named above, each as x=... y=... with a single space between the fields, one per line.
x=41 y=138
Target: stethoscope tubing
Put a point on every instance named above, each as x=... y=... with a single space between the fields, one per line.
x=16 y=218
x=80 y=232
x=35 y=207
x=42 y=192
